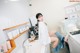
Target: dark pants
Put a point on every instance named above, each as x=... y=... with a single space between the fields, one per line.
x=60 y=44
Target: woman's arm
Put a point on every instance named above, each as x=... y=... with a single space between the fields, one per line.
x=52 y=33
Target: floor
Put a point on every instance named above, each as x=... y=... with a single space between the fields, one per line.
x=63 y=50
x=35 y=47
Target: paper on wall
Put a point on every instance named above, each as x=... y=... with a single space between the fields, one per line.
x=15 y=33
x=21 y=30
x=70 y=10
x=10 y=36
x=77 y=7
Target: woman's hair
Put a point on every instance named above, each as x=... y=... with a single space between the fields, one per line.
x=38 y=14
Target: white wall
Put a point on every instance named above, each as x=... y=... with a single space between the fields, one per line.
x=53 y=11
x=13 y=13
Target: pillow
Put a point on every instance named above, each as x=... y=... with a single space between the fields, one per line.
x=72 y=27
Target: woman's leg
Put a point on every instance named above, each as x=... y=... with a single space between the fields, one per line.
x=54 y=41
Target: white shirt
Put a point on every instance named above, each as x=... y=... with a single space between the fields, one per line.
x=43 y=34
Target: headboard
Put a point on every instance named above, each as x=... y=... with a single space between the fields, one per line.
x=13 y=33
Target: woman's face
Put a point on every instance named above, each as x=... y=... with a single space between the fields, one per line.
x=40 y=18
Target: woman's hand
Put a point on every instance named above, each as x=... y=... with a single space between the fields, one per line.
x=66 y=38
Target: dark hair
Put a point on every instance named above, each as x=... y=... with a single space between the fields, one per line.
x=38 y=14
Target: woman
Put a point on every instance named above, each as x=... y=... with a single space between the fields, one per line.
x=43 y=33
